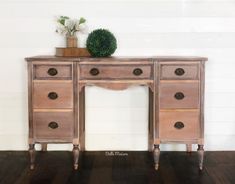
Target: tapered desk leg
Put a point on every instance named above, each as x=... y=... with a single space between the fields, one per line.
x=189 y=148
x=44 y=146
x=156 y=155
x=200 y=151
x=75 y=156
x=32 y=155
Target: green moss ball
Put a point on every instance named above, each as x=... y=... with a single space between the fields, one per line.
x=101 y=43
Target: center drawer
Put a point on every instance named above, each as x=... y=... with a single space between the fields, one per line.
x=53 y=125
x=117 y=71
x=52 y=95
x=179 y=95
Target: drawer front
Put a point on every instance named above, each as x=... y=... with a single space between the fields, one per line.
x=179 y=125
x=52 y=72
x=115 y=72
x=179 y=95
x=179 y=71
x=53 y=125
x=52 y=95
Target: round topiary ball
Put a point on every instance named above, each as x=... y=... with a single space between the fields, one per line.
x=101 y=43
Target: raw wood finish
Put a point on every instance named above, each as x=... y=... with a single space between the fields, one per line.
x=57 y=98
x=200 y=151
x=43 y=130
x=44 y=147
x=72 y=52
x=30 y=102
x=75 y=156
x=32 y=155
x=168 y=129
x=169 y=71
x=202 y=101
x=115 y=72
x=82 y=119
x=166 y=59
x=156 y=156
x=62 y=72
x=119 y=85
x=151 y=121
x=188 y=95
x=42 y=91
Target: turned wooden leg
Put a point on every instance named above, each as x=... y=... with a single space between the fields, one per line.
x=156 y=155
x=189 y=148
x=44 y=146
x=75 y=156
x=200 y=151
x=32 y=155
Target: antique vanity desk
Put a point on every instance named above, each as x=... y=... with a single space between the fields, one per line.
x=57 y=98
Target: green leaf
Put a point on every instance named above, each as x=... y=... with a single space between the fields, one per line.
x=62 y=19
x=82 y=20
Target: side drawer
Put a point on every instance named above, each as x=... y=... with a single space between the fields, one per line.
x=179 y=71
x=52 y=95
x=52 y=71
x=179 y=125
x=179 y=95
x=116 y=71
x=53 y=125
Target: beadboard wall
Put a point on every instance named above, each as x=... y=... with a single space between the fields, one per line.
x=117 y=120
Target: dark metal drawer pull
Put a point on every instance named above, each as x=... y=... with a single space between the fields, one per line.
x=53 y=95
x=179 y=125
x=179 y=71
x=137 y=71
x=94 y=71
x=52 y=71
x=53 y=125
x=179 y=96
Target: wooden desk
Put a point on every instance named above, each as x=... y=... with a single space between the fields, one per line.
x=57 y=98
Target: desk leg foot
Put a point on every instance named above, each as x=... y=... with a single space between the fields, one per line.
x=200 y=151
x=75 y=156
x=156 y=155
x=44 y=147
x=189 y=148
x=32 y=155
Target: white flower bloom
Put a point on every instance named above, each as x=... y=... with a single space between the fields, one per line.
x=77 y=24
x=69 y=23
x=83 y=28
x=56 y=18
x=67 y=26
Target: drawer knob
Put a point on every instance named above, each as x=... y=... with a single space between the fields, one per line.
x=53 y=125
x=137 y=71
x=179 y=125
x=179 y=96
x=94 y=71
x=53 y=95
x=179 y=71
x=52 y=71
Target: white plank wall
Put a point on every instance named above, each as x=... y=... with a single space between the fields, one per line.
x=117 y=120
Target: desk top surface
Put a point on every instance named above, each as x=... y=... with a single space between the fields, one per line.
x=120 y=58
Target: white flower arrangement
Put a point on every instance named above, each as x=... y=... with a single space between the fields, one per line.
x=70 y=27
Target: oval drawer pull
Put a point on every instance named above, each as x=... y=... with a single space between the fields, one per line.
x=137 y=71
x=94 y=71
x=179 y=71
x=52 y=71
x=52 y=95
x=53 y=125
x=179 y=96
x=179 y=125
